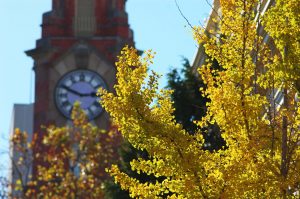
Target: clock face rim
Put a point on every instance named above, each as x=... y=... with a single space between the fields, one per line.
x=60 y=82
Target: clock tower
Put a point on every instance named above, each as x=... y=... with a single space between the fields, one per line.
x=75 y=56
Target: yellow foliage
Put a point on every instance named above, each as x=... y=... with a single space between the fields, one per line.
x=76 y=158
x=71 y=163
x=262 y=156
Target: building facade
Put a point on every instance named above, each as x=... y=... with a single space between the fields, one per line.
x=22 y=118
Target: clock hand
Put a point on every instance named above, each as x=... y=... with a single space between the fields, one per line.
x=72 y=91
x=92 y=94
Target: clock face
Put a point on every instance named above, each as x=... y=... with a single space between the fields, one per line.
x=82 y=86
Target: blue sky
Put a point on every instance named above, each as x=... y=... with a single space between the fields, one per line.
x=157 y=25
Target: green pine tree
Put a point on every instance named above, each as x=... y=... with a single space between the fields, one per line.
x=189 y=103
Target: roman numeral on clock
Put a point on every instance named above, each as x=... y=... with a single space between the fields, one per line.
x=63 y=95
x=66 y=103
x=97 y=104
x=81 y=77
x=72 y=79
x=90 y=112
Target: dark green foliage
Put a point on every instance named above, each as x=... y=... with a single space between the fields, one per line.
x=114 y=191
x=190 y=105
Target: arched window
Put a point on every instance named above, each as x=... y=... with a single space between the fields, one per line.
x=85 y=21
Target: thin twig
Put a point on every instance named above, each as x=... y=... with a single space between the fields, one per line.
x=187 y=21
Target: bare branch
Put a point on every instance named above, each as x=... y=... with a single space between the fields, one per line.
x=187 y=21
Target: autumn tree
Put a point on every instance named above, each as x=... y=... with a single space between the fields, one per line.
x=189 y=105
x=21 y=160
x=262 y=158
x=73 y=161
x=77 y=156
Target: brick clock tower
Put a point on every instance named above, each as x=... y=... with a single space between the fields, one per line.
x=75 y=56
